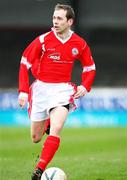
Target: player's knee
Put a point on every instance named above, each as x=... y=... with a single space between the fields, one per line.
x=35 y=138
x=57 y=129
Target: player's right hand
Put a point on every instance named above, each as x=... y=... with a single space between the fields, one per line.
x=22 y=99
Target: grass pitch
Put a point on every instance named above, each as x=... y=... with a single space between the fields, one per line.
x=84 y=154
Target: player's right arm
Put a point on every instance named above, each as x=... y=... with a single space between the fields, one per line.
x=30 y=55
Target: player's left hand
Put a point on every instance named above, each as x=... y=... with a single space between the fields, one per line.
x=81 y=91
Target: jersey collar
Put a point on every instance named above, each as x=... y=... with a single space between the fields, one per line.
x=63 y=40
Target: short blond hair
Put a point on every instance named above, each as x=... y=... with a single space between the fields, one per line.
x=70 y=12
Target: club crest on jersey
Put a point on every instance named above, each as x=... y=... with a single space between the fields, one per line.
x=74 y=51
x=54 y=56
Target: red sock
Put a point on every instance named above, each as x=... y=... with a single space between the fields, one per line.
x=50 y=147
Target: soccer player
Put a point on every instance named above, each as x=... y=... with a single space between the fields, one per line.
x=51 y=57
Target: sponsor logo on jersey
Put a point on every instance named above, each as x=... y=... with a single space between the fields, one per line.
x=54 y=56
x=74 y=51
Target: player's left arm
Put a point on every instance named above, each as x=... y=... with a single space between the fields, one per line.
x=88 y=73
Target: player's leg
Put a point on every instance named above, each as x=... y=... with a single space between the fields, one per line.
x=37 y=127
x=37 y=131
x=58 y=116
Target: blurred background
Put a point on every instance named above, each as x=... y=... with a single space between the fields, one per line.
x=103 y=24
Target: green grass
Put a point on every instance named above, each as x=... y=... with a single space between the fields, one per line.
x=84 y=154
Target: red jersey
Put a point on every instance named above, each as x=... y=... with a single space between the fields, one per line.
x=51 y=60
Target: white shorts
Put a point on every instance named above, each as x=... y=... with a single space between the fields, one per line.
x=44 y=96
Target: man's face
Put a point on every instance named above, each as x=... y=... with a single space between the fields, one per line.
x=60 y=22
